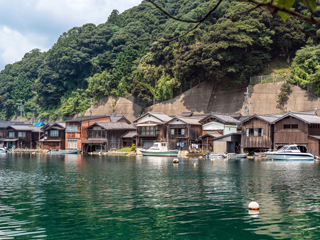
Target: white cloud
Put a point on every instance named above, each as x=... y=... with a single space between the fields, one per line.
x=13 y=45
x=26 y=25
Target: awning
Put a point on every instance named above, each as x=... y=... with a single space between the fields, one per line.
x=147 y=125
x=95 y=141
x=10 y=140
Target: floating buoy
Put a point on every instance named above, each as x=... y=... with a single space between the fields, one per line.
x=176 y=160
x=200 y=157
x=33 y=153
x=253 y=206
x=128 y=155
x=271 y=159
x=212 y=159
x=100 y=153
x=195 y=164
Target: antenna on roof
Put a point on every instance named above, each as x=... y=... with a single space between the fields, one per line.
x=90 y=110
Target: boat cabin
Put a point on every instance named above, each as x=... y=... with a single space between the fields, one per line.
x=159 y=146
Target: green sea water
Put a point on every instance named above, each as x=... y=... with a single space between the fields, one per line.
x=119 y=197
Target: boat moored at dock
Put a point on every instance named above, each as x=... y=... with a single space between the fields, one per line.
x=160 y=149
x=62 y=152
x=289 y=153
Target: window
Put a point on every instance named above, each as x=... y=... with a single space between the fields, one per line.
x=54 y=133
x=72 y=143
x=178 y=131
x=73 y=128
x=254 y=132
x=148 y=130
x=46 y=132
x=290 y=126
x=21 y=134
x=11 y=134
x=96 y=128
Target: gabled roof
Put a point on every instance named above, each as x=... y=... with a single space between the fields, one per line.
x=161 y=116
x=4 y=124
x=130 y=134
x=80 y=119
x=222 y=117
x=307 y=117
x=113 y=126
x=211 y=134
x=266 y=118
x=117 y=118
x=187 y=120
x=61 y=125
x=26 y=127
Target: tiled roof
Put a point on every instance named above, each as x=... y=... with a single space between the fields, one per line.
x=80 y=119
x=26 y=127
x=116 y=118
x=188 y=120
x=211 y=134
x=161 y=116
x=4 y=124
x=130 y=134
x=115 y=125
x=223 y=117
x=308 y=117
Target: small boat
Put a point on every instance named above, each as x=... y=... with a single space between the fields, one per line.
x=289 y=153
x=241 y=155
x=160 y=149
x=218 y=156
x=3 y=150
x=62 y=152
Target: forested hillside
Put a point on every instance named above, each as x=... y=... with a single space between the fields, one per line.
x=108 y=59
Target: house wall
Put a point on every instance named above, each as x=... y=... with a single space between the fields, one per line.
x=81 y=133
x=47 y=145
x=192 y=133
x=313 y=146
x=293 y=136
x=219 y=147
x=229 y=129
x=264 y=141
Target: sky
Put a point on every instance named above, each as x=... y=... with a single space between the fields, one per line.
x=29 y=24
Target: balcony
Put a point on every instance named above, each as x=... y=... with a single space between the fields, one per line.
x=96 y=134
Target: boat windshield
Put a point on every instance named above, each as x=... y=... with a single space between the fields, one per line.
x=154 y=147
x=283 y=148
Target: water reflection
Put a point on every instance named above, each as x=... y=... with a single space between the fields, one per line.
x=100 y=197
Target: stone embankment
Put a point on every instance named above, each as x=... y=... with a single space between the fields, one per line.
x=204 y=98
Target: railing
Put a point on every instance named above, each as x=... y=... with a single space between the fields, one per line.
x=147 y=133
x=96 y=134
x=270 y=78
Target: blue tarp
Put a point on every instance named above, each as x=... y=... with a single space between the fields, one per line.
x=39 y=124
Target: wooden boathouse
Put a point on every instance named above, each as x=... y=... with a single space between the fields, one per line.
x=257 y=133
x=105 y=136
x=298 y=128
x=53 y=136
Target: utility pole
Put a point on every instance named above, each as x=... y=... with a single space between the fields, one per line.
x=20 y=108
x=90 y=111
x=246 y=107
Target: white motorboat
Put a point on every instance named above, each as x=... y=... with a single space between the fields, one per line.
x=62 y=152
x=3 y=150
x=160 y=149
x=289 y=153
x=218 y=156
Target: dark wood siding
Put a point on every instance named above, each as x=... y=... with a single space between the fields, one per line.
x=264 y=141
x=293 y=136
x=192 y=133
x=313 y=146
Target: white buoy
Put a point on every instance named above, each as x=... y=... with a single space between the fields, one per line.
x=253 y=206
x=212 y=159
x=176 y=160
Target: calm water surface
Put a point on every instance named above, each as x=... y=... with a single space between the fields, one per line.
x=116 y=197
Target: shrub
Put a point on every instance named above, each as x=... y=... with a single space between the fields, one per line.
x=133 y=148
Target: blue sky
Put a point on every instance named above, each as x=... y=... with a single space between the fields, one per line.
x=29 y=24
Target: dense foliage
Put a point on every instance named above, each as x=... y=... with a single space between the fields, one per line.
x=97 y=61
